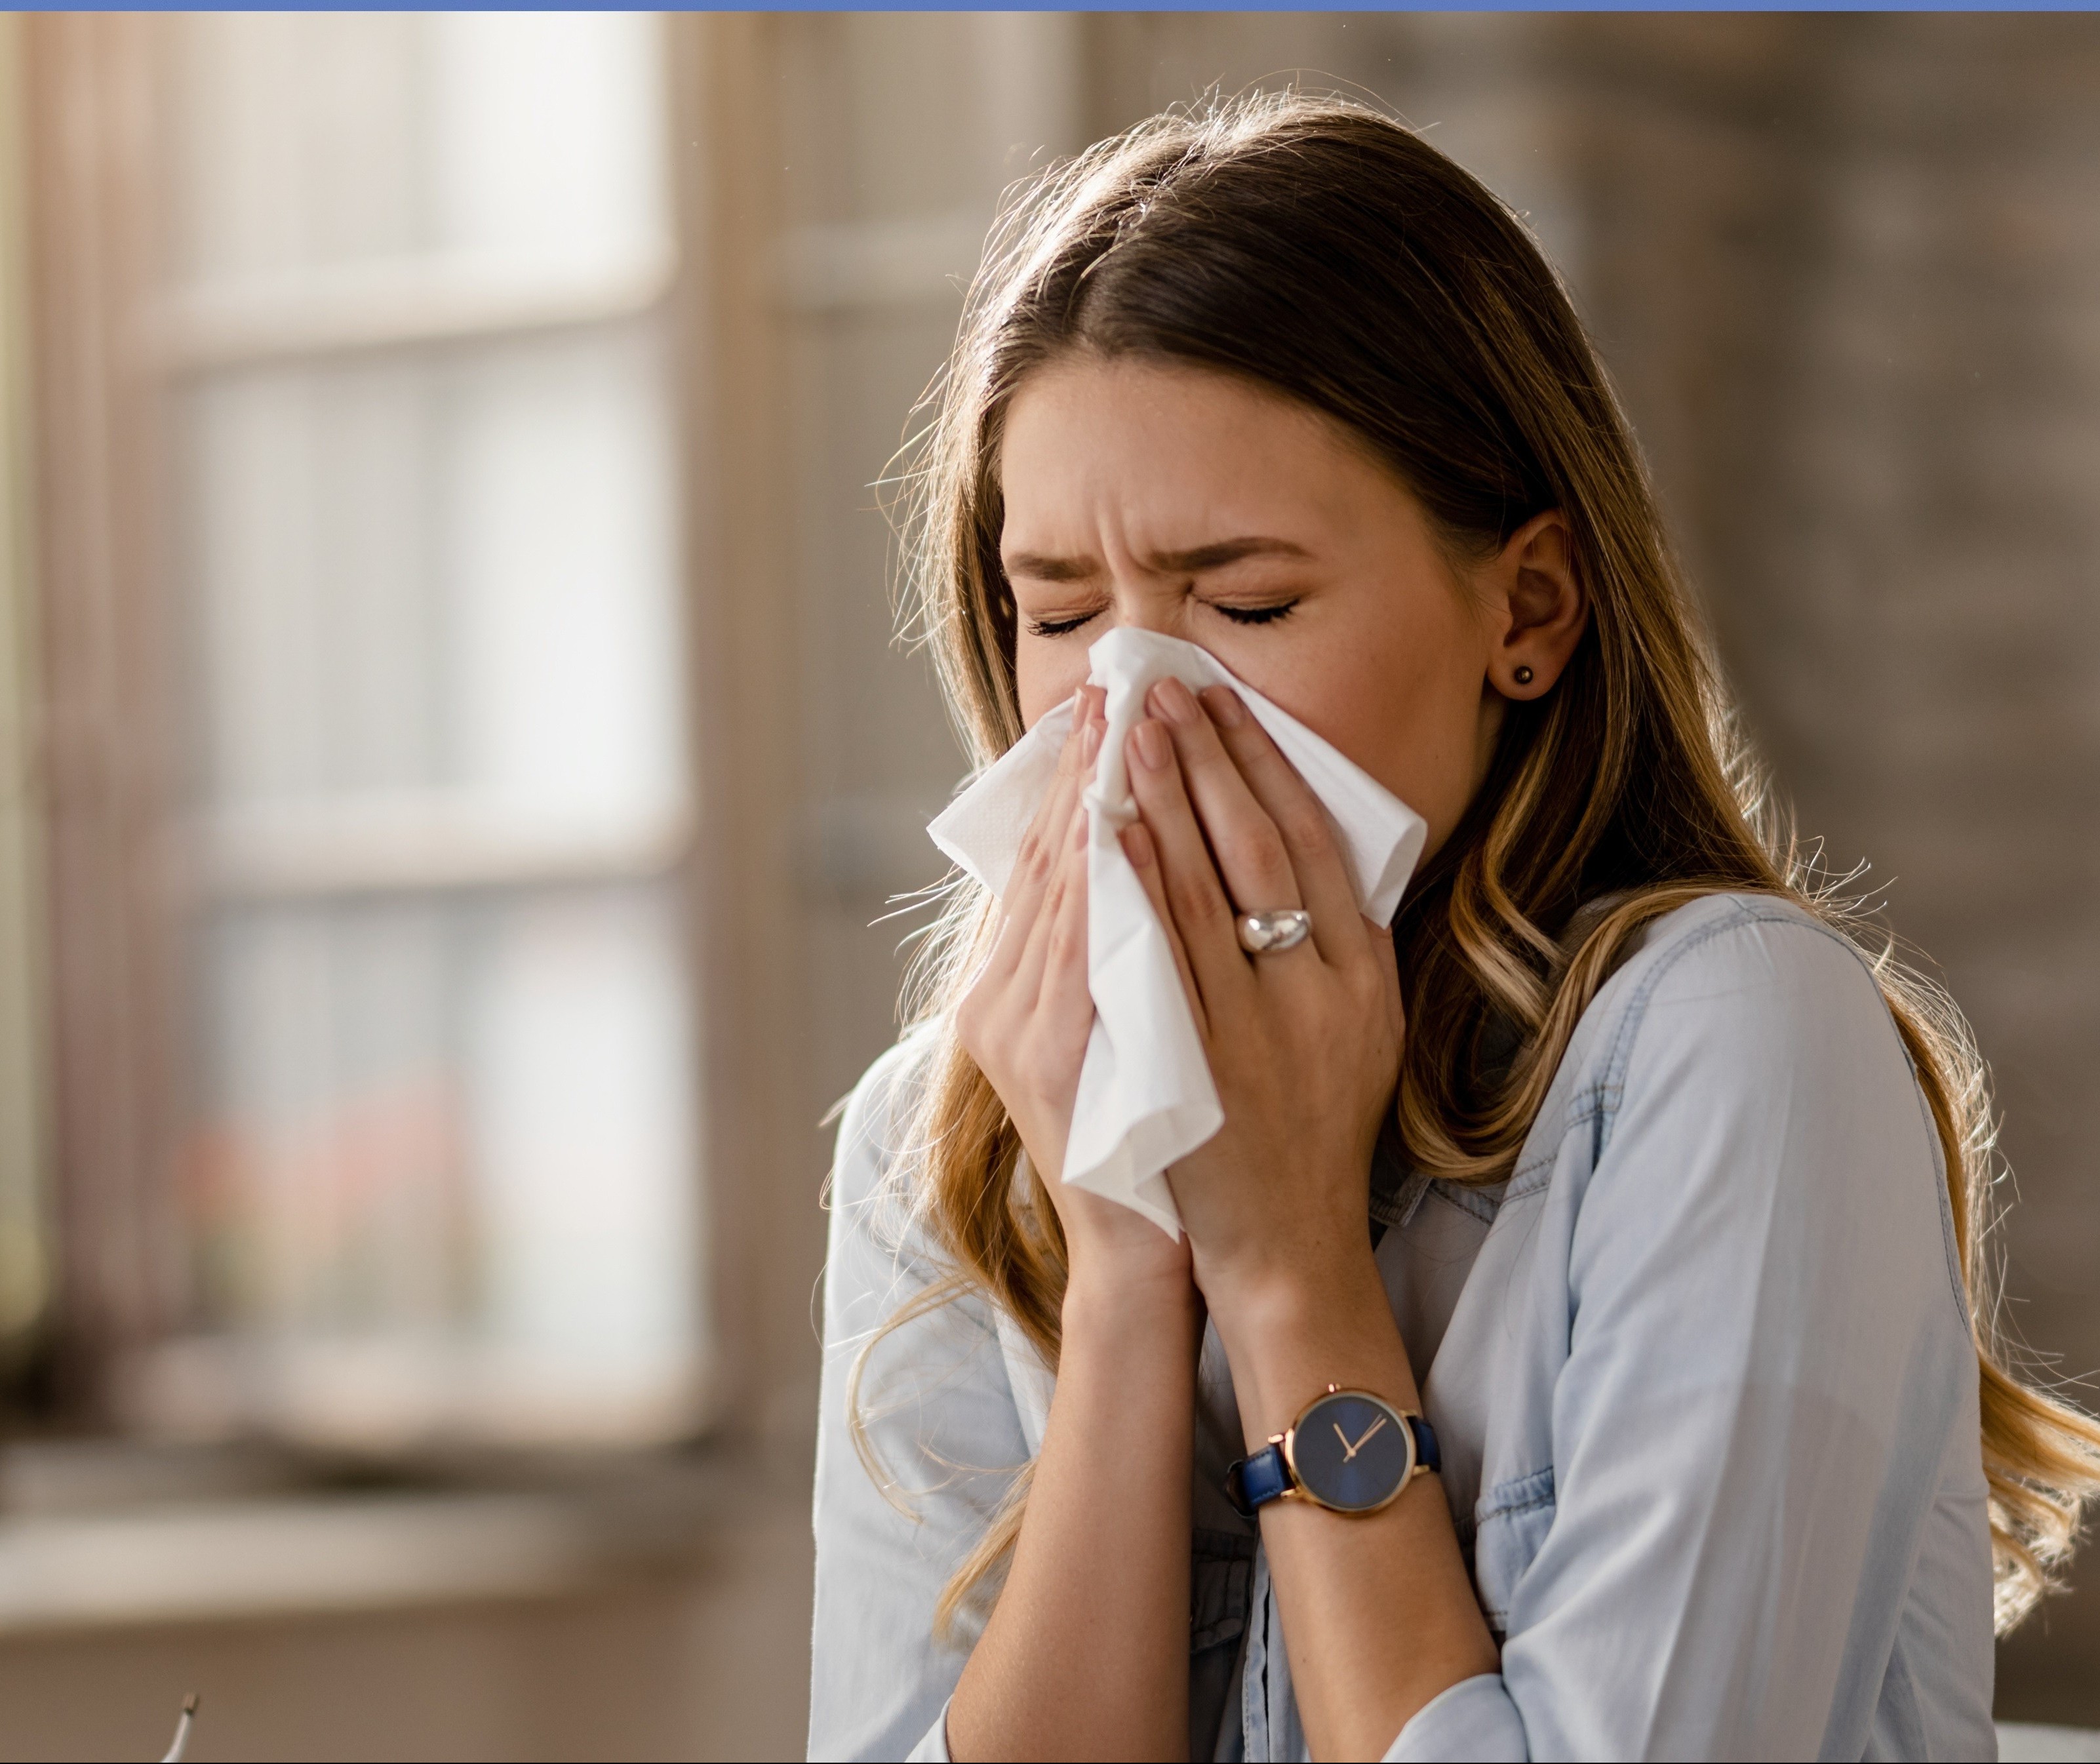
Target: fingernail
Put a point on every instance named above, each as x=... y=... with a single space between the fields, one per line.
x=1137 y=845
x=1153 y=747
x=1079 y=828
x=1226 y=710
x=1090 y=742
x=1174 y=701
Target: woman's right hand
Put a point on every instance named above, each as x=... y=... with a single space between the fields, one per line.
x=1086 y=1652
x=1027 y=1015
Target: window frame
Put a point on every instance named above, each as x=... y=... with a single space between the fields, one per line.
x=121 y=880
x=104 y=707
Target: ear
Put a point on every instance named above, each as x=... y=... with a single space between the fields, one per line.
x=1538 y=608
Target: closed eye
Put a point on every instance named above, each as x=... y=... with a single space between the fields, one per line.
x=1058 y=627
x=1256 y=615
x=1064 y=627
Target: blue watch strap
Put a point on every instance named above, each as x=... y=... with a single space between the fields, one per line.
x=1426 y=1452
x=1255 y=1481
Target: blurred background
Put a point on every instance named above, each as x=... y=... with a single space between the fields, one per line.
x=454 y=761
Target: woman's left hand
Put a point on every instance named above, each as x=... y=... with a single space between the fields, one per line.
x=1303 y=1043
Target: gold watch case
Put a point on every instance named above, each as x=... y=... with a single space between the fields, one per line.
x=1309 y=1456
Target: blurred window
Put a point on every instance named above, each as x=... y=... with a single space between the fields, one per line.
x=438 y=1179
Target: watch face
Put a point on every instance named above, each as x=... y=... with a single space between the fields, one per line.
x=1352 y=1452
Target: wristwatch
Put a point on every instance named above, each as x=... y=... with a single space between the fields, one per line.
x=1349 y=1451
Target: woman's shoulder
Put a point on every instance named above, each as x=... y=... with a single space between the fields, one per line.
x=1742 y=1059
x=1741 y=1003
x=1738 y=964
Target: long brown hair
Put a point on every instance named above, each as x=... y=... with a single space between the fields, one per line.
x=1325 y=251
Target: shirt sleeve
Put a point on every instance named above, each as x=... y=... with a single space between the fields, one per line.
x=939 y=1423
x=1766 y=1351
x=1473 y=1722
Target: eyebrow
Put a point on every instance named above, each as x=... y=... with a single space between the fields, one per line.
x=1039 y=567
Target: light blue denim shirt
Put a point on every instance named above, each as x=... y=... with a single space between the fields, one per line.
x=1702 y=1370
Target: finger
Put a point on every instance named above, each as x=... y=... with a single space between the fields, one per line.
x=1036 y=864
x=1063 y=993
x=1026 y=979
x=1324 y=882
x=1249 y=850
x=1198 y=907
x=1144 y=857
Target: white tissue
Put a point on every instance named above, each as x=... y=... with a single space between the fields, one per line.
x=1146 y=1098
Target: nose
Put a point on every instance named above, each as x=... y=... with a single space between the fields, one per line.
x=1148 y=602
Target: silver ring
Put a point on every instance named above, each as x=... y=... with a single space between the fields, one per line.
x=1263 y=934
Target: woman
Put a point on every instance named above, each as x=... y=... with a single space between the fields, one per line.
x=1612 y=1160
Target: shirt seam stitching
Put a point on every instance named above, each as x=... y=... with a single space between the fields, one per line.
x=1611 y=1084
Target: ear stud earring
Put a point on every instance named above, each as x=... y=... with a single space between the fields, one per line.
x=1523 y=676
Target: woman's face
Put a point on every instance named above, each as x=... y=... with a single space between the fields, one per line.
x=1175 y=499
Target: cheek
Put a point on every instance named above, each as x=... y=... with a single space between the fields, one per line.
x=1045 y=675
x=1400 y=696
x=1424 y=701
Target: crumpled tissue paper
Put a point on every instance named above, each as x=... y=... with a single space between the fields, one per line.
x=1147 y=1097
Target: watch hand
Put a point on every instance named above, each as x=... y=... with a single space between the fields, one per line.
x=1349 y=1451
x=1368 y=1432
